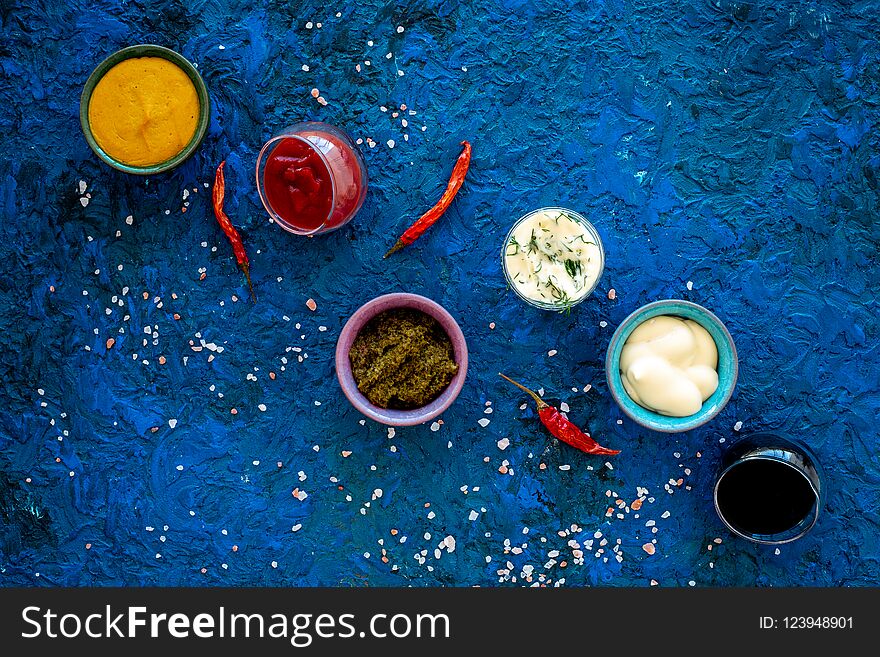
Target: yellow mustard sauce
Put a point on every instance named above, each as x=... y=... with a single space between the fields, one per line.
x=144 y=111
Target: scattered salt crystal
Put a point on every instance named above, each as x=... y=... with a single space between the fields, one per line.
x=311 y=305
x=690 y=285
x=504 y=443
x=390 y=143
x=552 y=353
x=172 y=423
x=737 y=426
x=483 y=421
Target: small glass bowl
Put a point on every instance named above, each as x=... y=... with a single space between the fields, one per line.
x=590 y=228
x=348 y=174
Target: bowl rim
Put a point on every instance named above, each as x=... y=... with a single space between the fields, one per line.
x=146 y=50
x=780 y=538
x=350 y=331
x=575 y=216
x=649 y=419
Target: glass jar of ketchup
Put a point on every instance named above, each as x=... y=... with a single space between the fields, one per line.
x=311 y=179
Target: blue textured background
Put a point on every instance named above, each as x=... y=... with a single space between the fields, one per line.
x=732 y=145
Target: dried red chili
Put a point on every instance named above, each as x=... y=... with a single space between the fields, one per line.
x=563 y=428
x=459 y=171
x=219 y=192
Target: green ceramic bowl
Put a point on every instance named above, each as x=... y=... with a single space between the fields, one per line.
x=728 y=367
x=147 y=50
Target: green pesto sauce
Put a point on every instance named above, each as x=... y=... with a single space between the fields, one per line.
x=402 y=359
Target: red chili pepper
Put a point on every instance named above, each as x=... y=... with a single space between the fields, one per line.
x=414 y=232
x=563 y=428
x=219 y=192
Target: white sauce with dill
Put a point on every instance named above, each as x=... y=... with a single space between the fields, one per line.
x=552 y=259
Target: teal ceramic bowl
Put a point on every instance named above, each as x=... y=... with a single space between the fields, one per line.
x=728 y=367
x=146 y=50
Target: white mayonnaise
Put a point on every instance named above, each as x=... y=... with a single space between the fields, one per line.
x=669 y=365
x=553 y=259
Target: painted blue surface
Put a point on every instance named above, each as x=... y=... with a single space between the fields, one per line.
x=731 y=145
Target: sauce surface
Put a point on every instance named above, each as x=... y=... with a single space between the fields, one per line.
x=402 y=359
x=144 y=111
x=298 y=184
x=669 y=365
x=553 y=259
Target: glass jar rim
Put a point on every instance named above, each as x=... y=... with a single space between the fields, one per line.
x=794 y=532
x=264 y=154
x=574 y=216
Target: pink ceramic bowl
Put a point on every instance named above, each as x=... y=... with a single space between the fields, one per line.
x=343 y=365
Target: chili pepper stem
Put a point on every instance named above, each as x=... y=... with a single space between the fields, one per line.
x=247 y=274
x=398 y=245
x=540 y=402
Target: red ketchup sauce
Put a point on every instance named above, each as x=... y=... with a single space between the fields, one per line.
x=299 y=183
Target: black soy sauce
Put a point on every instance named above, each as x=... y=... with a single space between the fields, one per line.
x=762 y=496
